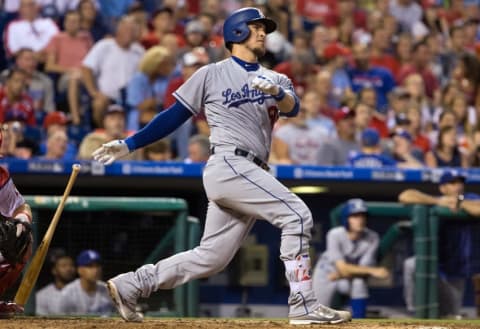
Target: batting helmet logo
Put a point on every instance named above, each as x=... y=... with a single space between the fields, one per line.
x=353 y=206
x=235 y=28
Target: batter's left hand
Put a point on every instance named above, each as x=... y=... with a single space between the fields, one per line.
x=266 y=85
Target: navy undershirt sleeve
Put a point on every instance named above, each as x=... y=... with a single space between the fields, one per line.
x=161 y=125
x=294 y=111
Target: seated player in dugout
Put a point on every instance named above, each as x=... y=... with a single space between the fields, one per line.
x=349 y=260
x=15 y=237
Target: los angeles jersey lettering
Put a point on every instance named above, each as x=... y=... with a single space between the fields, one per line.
x=234 y=109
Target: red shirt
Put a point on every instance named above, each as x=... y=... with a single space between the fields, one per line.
x=299 y=83
x=21 y=110
x=386 y=61
x=317 y=10
x=70 y=51
x=380 y=126
x=431 y=82
x=359 y=19
x=422 y=142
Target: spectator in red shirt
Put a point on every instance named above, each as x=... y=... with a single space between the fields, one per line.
x=415 y=127
x=162 y=22
x=298 y=68
x=348 y=9
x=364 y=118
x=379 y=51
x=420 y=64
x=14 y=102
x=316 y=11
x=65 y=54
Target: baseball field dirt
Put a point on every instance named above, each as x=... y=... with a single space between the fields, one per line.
x=117 y=323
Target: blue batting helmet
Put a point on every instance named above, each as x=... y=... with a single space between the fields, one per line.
x=235 y=28
x=353 y=206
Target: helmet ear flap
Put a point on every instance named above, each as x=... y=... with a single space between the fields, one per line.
x=241 y=32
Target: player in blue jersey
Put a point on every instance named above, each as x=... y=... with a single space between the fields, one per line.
x=242 y=101
x=457 y=254
x=370 y=155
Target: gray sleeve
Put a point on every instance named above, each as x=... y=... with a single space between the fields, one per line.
x=326 y=154
x=286 y=84
x=41 y=303
x=192 y=94
x=334 y=246
x=369 y=258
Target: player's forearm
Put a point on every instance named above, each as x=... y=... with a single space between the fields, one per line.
x=88 y=80
x=288 y=105
x=413 y=196
x=52 y=67
x=24 y=213
x=472 y=207
x=347 y=270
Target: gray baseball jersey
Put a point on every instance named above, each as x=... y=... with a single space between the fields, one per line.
x=239 y=191
x=236 y=113
x=76 y=301
x=47 y=300
x=339 y=247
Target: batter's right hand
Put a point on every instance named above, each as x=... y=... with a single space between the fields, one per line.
x=111 y=151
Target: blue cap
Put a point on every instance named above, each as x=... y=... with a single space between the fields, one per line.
x=370 y=137
x=403 y=133
x=451 y=176
x=88 y=257
x=353 y=206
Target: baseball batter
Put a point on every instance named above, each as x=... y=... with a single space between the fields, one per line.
x=242 y=101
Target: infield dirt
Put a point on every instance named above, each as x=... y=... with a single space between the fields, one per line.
x=117 y=323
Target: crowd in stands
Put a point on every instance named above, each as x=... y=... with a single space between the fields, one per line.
x=381 y=82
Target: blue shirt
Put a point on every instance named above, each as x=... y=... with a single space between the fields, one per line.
x=362 y=160
x=459 y=250
x=140 y=88
x=115 y=8
x=377 y=78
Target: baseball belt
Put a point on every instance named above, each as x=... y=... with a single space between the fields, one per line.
x=249 y=155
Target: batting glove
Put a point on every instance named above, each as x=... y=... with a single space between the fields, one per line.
x=111 y=151
x=266 y=85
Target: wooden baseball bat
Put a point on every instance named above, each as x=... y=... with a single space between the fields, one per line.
x=31 y=275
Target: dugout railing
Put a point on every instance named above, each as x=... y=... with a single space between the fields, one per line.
x=425 y=223
x=184 y=234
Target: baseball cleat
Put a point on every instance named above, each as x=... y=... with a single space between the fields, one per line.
x=125 y=309
x=322 y=315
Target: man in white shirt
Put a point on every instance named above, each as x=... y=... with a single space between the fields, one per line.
x=29 y=31
x=109 y=65
x=63 y=271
